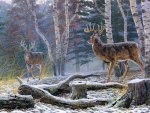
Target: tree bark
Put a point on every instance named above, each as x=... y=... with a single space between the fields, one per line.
x=138 y=93
x=146 y=22
x=16 y=101
x=57 y=37
x=62 y=68
x=79 y=89
x=138 y=25
x=108 y=21
x=77 y=60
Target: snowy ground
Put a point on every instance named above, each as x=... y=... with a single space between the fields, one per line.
x=109 y=93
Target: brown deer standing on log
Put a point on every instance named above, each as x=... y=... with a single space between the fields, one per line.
x=32 y=59
x=113 y=53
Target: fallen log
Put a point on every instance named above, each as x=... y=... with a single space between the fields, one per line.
x=138 y=93
x=98 y=86
x=46 y=97
x=16 y=101
x=64 y=85
x=45 y=92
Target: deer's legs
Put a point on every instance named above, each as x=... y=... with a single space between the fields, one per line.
x=111 y=66
x=28 y=69
x=125 y=72
x=31 y=71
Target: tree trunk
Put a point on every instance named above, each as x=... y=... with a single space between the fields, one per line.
x=124 y=19
x=57 y=35
x=119 y=69
x=138 y=93
x=62 y=68
x=16 y=101
x=146 y=22
x=54 y=70
x=79 y=89
x=138 y=25
x=108 y=21
x=77 y=64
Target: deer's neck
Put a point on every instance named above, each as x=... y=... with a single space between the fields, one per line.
x=99 y=51
x=97 y=44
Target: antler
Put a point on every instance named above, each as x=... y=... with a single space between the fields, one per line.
x=32 y=45
x=22 y=44
x=91 y=28
x=100 y=29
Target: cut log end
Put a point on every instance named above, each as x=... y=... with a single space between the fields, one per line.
x=79 y=89
x=138 y=93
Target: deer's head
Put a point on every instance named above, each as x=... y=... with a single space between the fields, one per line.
x=27 y=49
x=96 y=32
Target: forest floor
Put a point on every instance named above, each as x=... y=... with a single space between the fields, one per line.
x=113 y=94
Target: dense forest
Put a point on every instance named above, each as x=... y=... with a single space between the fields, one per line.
x=50 y=41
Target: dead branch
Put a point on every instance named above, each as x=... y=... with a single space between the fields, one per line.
x=46 y=97
x=64 y=85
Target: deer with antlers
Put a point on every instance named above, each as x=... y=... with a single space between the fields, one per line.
x=113 y=53
x=32 y=59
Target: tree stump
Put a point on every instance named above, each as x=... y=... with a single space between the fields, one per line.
x=16 y=101
x=138 y=93
x=79 y=89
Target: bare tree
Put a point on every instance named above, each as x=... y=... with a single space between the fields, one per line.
x=138 y=24
x=57 y=37
x=108 y=21
x=146 y=23
x=63 y=39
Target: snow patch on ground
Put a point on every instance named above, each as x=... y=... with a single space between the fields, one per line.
x=106 y=94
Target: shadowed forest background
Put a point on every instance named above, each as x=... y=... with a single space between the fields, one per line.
x=17 y=23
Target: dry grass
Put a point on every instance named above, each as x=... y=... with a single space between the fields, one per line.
x=8 y=85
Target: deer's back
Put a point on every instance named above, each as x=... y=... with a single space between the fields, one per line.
x=34 y=58
x=118 y=51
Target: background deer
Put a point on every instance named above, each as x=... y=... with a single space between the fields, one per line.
x=113 y=53
x=32 y=59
